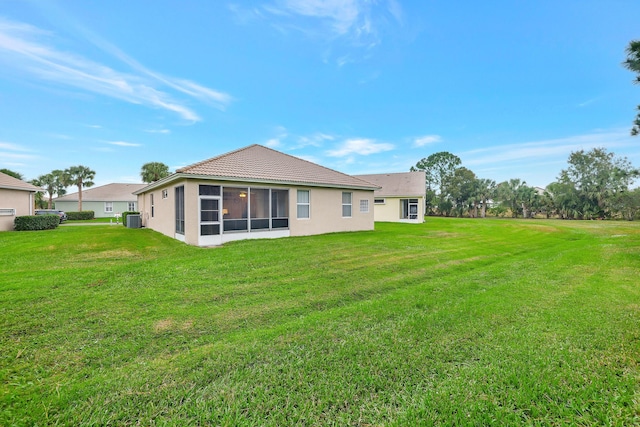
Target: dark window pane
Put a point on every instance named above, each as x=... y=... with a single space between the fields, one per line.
x=259 y=224
x=280 y=223
x=209 y=190
x=210 y=230
x=209 y=216
x=209 y=204
x=235 y=225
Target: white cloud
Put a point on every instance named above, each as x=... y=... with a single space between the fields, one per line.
x=12 y=147
x=345 y=24
x=162 y=131
x=360 y=146
x=427 y=139
x=559 y=148
x=26 y=48
x=273 y=143
x=124 y=144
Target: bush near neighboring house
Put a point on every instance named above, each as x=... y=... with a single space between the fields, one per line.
x=81 y=216
x=36 y=222
x=124 y=216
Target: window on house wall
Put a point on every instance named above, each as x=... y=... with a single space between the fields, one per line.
x=303 y=204
x=131 y=206
x=153 y=207
x=7 y=212
x=409 y=208
x=364 y=206
x=165 y=194
x=378 y=201
x=108 y=207
x=179 y=192
x=346 y=204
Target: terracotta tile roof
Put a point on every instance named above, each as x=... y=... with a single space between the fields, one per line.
x=405 y=184
x=105 y=193
x=11 y=183
x=262 y=164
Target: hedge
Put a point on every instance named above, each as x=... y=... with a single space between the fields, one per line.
x=36 y=222
x=82 y=215
x=124 y=216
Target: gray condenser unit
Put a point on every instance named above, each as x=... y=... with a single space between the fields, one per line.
x=134 y=221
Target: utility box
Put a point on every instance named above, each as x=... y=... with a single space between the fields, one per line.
x=134 y=221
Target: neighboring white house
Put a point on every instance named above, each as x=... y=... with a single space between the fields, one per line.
x=106 y=200
x=255 y=192
x=400 y=198
x=16 y=199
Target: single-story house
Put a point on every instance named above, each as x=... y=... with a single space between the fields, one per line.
x=16 y=199
x=255 y=192
x=400 y=196
x=106 y=201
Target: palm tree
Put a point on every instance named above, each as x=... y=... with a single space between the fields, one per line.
x=53 y=183
x=153 y=171
x=79 y=176
x=486 y=191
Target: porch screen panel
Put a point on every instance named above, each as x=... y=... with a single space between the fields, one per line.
x=279 y=208
x=259 y=204
x=180 y=209
x=235 y=204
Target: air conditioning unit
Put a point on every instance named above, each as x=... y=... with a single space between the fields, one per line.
x=134 y=221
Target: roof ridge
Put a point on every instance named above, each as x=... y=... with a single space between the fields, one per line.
x=219 y=156
x=310 y=162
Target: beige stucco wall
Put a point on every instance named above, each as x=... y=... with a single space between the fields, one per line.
x=325 y=217
x=390 y=210
x=326 y=212
x=20 y=200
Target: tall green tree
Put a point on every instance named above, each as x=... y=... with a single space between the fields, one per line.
x=461 y=190
x=53 y=183
x=438 y=168
x=153 y=171
x=514 y=194
x=596 y=177
x=80 y=176
x=14 y=174
x=632 y=63
x=486 y=189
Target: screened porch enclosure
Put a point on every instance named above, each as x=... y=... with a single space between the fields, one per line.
x=242 y=209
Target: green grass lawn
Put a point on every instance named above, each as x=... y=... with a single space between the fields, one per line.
x=451 y=322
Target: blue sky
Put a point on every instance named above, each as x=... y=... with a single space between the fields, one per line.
x=511 y=87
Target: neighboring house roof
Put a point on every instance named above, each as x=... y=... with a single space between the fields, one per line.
x=256 y=163
x=401 y=184
x=10 y=183
x=105 y=193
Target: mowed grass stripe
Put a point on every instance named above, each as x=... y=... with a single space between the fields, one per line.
x=453 y=321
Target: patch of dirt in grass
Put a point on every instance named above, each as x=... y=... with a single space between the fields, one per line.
x=111 y=254
x=442 y=234
x=163 y=325
x=540 y=227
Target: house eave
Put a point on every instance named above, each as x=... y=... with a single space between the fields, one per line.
x=178 y=176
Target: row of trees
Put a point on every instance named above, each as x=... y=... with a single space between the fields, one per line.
x=596 y=184
x=56 y=182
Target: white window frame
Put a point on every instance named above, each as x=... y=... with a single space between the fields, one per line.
x=347 y=206
x=364 y=205
x=165 y=193
x=7 y=212
x=306 y=204
x=108 y=207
